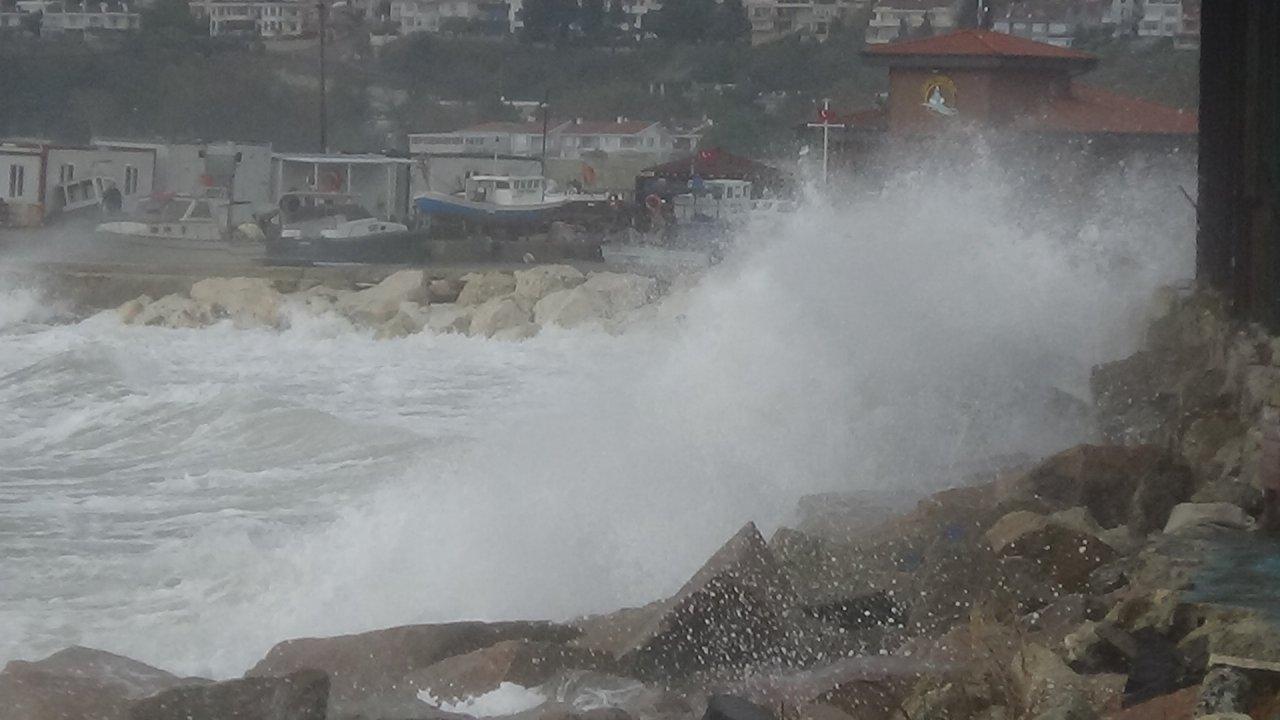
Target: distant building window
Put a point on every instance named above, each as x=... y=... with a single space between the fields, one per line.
x=66 y=173
x=17 y=180
x=130 y=180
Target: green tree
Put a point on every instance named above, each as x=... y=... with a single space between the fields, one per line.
x=926 y=26
x=730 y=23
x=591 y=20
x=685 y=21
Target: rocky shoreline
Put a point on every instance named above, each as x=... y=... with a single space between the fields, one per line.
x=1108 y=581
x=501 y=305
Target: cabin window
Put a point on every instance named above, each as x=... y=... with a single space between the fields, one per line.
x=66 y=173
x=130 y=180
x=502 y=185
x=17 y=178
x=201 y=210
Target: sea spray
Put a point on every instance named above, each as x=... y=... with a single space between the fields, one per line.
x=235 y=488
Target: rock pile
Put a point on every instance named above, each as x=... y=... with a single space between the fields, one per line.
x=501 y=305
x=1069 y=589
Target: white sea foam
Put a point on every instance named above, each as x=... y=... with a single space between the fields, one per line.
x=506 y=699
x=190 y=497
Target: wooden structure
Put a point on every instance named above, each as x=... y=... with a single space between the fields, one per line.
x=1238 y=243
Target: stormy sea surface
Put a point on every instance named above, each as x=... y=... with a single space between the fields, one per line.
x=190 y=497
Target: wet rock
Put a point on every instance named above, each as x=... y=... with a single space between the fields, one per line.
x=378 y=304
x=536 y=283
x=622 y=292
x=1157 y=610
x=1157 y=493
x=443 y=291
x=1066 y=554
x=129 y=311
x=1205 y=437
x=516 y=333
x=1043 y=681
x=1234 y=633
x=1187 y=516
x=377 y=663
x=173 y=311
x=79 y=684
x=497 y=314
x=589 y=694
x=1179 y=705
x=410 y=320
x=730 y=614
x=1102 y=479
x=523 y=662
x=571 y=308
x=298 y=696
x=1261 y=388
x=730 y=707
x=479 y=288
x=445 y=318
x=1223 y=690
x=1157 y=668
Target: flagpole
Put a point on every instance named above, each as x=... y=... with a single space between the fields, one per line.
x=826 y=126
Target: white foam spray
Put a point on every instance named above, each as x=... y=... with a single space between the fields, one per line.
x=305 y=483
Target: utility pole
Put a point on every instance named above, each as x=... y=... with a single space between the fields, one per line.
x=546 y=109
x=323 y=9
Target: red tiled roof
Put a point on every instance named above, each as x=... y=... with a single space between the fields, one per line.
x=715 y=163
x=1094 y=110
x=628 y=127
x=977 y=43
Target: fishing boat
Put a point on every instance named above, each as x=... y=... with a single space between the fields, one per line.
x=182 y=228
x=328 y=227
x=502 y=199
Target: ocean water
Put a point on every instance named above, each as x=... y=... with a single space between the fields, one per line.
x=190 y=497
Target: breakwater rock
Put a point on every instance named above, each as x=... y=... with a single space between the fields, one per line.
x=501 y=305
x=1115 y=579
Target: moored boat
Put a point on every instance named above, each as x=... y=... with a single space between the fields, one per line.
x=495 y=198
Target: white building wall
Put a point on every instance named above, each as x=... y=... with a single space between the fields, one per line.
x=116 y=164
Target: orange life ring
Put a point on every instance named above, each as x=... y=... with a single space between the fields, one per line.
x=653 y=202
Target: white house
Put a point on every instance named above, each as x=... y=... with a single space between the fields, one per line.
x=888 y=17
x=1054 y=22
x=501 y=138
x=1178 y=19
x=243 y=169
x=90 y=17
x=774 y=19
x=20 y=167
x=622 y=136
x=262 y=18
x=36 y=179
x=427 y=15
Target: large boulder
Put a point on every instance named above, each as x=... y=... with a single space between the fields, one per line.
x=536 y=283
x=173 y=311
x=523 y=662
x=303 y=695
x=410 y=320
x=129 y=310
x=448 y=318
x=79 y=684
x=732 y=613
x=497 y=314
x=1187 y=516
x=378 y=304
x=479 y=288
x=443 y=290
x=1118 y=485
x=247 y=302
x=1067 y=554
x=377 y=663
x=570 y=308
x=622 y=291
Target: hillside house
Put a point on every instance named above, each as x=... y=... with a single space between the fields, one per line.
x=891 y=17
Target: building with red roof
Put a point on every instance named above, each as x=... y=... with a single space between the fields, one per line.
x=979 y=79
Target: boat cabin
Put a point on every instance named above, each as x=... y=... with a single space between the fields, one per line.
x=506 y=189
x=727 y=200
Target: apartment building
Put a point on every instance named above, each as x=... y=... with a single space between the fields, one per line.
x=890 y=18
x=260 y=18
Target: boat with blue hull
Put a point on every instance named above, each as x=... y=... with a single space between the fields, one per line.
x=502 y=199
